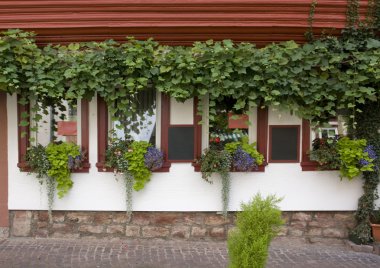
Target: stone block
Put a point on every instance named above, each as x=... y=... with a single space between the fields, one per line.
x=298 y=224
x=152 y=232
x=215 y=220
x=323 y=223
x=115 y=229
x=90 y=229
x=62 y=228
x=166 y=218
x=218 y=232
x=198 y=232
x=323 y=215
x=141 y=218
x=58 y=216
x=65 y=235
x=335 y=233
x=132 y=231
x=301 y=216
x=344 y=216
x=80 y=217
x=43 y=216
x=193 y=218
x=181 y=232
x=295 y=232
x=41 y=233
x=101 y=218
x=42 y=224
x=21 y=225
x=119 y=217
x=314 y=232
x=4 y=232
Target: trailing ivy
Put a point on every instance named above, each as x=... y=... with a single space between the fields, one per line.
x=368 y=128
x=58 y=156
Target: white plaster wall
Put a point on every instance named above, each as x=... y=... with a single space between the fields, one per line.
x=181 y=189
x=181 y=113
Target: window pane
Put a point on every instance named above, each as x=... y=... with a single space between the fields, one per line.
x=284 y=143
x=227 y=126
x=142 y=125
x=58 y=125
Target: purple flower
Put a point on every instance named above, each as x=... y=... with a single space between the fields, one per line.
x=70 y=162
x=371 y=151
x=242 y=161
x=154 y=158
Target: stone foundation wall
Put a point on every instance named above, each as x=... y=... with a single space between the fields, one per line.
x=168 y=225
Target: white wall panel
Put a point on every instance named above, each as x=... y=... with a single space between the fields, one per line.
x=181 y=189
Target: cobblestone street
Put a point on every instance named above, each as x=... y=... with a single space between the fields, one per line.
x=24 y=252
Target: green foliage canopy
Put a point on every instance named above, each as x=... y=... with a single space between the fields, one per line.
x=314 y=80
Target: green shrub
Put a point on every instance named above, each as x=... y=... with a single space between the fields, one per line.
x=257 y=224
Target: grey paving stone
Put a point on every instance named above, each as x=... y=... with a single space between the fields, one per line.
x=284 y=253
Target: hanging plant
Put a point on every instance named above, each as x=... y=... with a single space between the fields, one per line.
x=325 y=152
x=355 y=157
x=245 y=156
x=53 y=165
x=218 y=161
x=135 y=161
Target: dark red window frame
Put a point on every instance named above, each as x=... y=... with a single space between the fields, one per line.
x=306 y=163
x=103 y=135
x=270 y=144
x=24 y=143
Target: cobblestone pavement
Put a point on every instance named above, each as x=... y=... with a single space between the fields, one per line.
x=28 y=252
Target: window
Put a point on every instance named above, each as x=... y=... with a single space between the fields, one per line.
x=284 y=143
x=69 y=126
x=335 y=127
x=228 y=126
x=181 y=132
x=140 y=126
x=146 y=125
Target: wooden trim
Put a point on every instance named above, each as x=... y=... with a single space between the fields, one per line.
x=198 y=131
x=24 y=142
x=165 y=122
x=270 y=144
x=102 y=134
x=85 y=136
x=173 y=21
x=262 y=135
x=306 y=163
x=4 y=214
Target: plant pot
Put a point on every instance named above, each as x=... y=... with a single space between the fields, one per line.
x=376 y=232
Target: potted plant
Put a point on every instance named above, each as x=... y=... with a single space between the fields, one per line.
x=375 y=224
x=135 y=161
x=53 y=165
x=350 y=156
x=325 y=152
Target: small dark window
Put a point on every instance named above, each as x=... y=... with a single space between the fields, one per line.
x=284 y=144
x=181 y=143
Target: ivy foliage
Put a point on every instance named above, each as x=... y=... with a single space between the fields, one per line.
x=58 y=156
x=314 y=80
x=368 y=128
